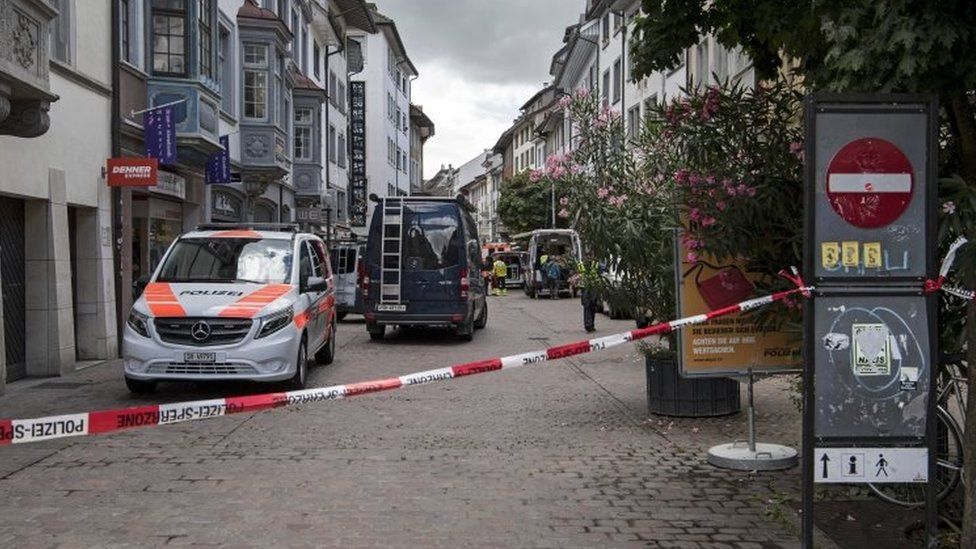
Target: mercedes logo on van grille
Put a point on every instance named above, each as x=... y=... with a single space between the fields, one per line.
x=200 y=331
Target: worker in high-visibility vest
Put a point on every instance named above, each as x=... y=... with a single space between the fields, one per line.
x=501 y=274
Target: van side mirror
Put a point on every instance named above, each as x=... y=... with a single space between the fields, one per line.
x=139 y=285
x=314 y=284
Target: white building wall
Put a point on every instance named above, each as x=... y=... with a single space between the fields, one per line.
x=55 y=172
x=382 y=132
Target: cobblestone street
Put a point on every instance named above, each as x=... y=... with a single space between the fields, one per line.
x=558 y=455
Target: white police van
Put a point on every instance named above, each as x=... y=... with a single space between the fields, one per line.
x=233 y=302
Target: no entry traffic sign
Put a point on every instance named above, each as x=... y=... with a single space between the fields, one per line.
x=870 y=182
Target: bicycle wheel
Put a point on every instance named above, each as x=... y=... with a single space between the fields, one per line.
x=948 y=468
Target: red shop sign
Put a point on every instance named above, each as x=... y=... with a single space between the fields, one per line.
x=870 y=182
x=133 y=172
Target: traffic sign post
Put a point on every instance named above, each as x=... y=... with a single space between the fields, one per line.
x=870 y=338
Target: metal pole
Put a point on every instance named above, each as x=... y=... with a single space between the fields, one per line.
x=552 y=189
x=752 y=416
x=116 y=145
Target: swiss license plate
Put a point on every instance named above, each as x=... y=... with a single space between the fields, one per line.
x=199 y=358
x=391 y=307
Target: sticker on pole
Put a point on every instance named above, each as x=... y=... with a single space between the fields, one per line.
x=874 y=465
x=870 y=182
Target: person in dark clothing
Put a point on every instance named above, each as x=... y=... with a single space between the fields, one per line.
x=553 y=272
x=587 y=278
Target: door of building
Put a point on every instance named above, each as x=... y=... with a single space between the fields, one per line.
x=12 y=285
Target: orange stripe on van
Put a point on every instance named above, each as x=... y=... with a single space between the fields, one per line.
x=251 y=304
x=162 y=301
x=237 y=233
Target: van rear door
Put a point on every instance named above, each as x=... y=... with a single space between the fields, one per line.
x=432 y=256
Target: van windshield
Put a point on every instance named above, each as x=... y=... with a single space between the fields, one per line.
x=228 y=260
x=431 y=237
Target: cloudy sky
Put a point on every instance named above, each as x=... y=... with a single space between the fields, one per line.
x=479 y=61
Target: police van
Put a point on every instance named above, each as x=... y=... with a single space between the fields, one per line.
x=233 y=302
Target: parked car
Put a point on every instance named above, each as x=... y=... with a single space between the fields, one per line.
x=423 y=266
x=348 y=267
x=232 y=302
x=563 y=244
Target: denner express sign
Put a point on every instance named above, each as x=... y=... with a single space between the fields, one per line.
x=133 y=172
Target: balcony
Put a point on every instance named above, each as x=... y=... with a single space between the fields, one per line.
x=25 y=94
x=197 y=116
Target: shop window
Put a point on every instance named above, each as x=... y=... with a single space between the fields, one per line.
x=169 y=37
x=255 y=81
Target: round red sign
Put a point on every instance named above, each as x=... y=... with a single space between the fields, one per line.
x=870 y=182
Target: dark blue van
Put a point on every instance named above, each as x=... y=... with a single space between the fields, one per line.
x=423 y=266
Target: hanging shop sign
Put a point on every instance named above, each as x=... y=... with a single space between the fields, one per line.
x=731 y=345
x=218 y=164
x=160 y=134
x=308 y=214
x=132 y=172
x=358 y=204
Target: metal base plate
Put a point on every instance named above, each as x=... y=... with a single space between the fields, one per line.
x=767 y=457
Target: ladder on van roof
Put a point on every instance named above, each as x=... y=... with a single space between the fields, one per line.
x=391 y=267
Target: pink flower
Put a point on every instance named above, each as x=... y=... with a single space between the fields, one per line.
x=564 y=201
x=602 y=192
x=564 y=101
x=695 y=215
x=707 y=221
x=692 y=257
x=720 y=205
x=949 y=207
x=535 y=176
x=796 y=148
x=751 y=191
x=563 y=213
x=582 y=92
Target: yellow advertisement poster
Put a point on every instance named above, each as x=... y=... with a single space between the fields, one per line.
x=729 y=345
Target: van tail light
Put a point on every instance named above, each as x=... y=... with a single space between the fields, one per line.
x=464 y=282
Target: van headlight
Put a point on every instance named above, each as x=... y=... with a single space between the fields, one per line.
x=139 y=323
x=270 y=324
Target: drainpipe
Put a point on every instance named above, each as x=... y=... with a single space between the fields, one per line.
x=120 y=268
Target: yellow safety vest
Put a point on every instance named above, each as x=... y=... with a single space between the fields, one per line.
x=501 y=269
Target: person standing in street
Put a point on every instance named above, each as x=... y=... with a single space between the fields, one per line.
x=588 y=273
x=501 y=276
x=553 y=272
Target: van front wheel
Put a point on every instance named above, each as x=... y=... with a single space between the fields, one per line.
x=483 y=317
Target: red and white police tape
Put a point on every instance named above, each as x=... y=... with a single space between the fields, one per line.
x=17 y=431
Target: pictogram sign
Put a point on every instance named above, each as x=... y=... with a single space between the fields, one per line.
x=870 y=182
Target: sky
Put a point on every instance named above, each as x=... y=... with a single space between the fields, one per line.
x=479 y=61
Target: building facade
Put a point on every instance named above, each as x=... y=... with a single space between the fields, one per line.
x=421 y=129
x=57 y=305
x=385 y=85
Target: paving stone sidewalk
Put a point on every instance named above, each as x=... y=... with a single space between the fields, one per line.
x=557 y=455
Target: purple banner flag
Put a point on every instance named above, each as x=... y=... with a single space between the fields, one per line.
x=160 y=130
x=218 y=165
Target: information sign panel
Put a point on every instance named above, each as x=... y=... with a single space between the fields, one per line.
x=877 y=465
x=872 y=366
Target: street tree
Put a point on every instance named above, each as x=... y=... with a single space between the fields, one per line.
x=921 y=46
x=525 y=205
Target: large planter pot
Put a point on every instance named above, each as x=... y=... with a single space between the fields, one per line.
x=669 y=394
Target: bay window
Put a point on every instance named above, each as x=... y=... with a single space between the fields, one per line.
x=169 y=37
x=256 y=81
x=205 y=30
x=304 y=136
